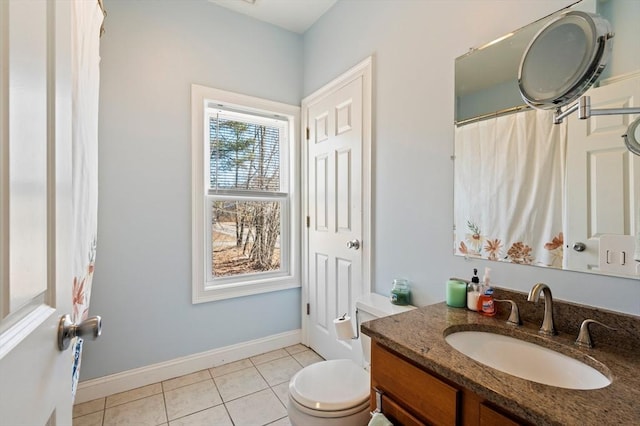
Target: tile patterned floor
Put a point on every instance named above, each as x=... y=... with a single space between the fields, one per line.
x=250 y=392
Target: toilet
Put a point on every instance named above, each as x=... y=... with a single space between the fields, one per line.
x=336 y=392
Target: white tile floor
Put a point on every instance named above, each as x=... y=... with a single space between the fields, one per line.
x=250 y=392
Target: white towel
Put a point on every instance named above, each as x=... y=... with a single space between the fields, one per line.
x=378 y=419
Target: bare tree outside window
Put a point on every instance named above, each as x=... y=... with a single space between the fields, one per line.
x=244 y=164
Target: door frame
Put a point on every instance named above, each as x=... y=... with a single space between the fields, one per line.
x=363 y=70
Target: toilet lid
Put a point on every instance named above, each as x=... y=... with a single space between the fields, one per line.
x=330 y=385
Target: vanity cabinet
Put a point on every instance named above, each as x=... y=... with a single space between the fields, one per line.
x=413 y=396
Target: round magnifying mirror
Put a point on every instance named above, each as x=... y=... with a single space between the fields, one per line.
x=632 y=138
x=564 y=59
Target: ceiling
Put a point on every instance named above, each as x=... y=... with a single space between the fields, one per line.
x=293 y=15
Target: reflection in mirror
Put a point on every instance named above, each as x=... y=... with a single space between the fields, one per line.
x=500 y=176
x=632 y=137
x=531 y=192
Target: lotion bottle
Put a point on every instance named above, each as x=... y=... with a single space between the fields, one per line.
x=486 y=304
x=473 y=292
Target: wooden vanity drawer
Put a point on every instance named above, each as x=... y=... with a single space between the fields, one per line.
x=422 y=394
x=398 y=415
x=490 y=417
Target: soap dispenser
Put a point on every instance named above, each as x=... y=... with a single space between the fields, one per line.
x=473 y=291
x=486 y=305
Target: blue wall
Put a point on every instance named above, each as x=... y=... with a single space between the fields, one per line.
x=414 y=45
x=152 y=52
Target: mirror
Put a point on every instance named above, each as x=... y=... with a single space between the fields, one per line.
x=564 y=59
x=534 y=193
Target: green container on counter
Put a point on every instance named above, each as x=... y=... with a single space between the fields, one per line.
x=400 y=292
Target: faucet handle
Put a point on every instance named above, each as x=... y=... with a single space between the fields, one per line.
x=514 y=316
x=584 y=336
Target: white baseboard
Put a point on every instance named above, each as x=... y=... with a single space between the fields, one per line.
x=131 y=379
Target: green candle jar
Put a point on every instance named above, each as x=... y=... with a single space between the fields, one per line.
x=400 y=292
x=456 y=294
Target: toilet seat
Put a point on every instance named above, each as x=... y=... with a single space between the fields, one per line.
x=338 y=386
x=340 y=414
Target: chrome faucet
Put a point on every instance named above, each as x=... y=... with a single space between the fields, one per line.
x=514 y=316
x=584 y=337
x=548 y=327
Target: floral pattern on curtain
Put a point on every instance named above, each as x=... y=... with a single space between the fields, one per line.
x=522 y=182
x=86 y=23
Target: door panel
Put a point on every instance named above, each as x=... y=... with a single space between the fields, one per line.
x=27 y=163
x=601 y=194
x=321 y=202
x=343 y=190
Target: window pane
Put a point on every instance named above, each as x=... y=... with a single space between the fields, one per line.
x=245 y=237
x=243 y=155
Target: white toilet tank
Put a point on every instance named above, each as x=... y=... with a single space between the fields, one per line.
x=373 y=306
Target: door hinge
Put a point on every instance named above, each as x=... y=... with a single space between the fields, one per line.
x=308 y=309
x=308 y=221
x=308 y=133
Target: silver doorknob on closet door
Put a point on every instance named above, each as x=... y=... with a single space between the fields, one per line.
x=353 y=244
x=90 y=328
x=579 y=246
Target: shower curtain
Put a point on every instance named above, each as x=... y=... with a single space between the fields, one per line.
x=87 y=17
x=506 y=187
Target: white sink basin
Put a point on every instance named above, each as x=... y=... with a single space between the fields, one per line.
x=527 y=360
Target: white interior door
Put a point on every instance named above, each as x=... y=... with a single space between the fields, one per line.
x=603 y=184
x=337 y=190
x=35 y=215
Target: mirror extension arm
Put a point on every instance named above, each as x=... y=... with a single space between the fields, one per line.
x=583 y=106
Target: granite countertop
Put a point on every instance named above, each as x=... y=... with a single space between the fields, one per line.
x=418 y=335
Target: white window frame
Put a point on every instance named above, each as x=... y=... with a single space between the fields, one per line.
x=203 y=99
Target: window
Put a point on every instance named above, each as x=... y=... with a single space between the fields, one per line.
x=245 y=203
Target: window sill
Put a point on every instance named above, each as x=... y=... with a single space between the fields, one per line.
x=229 y=291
